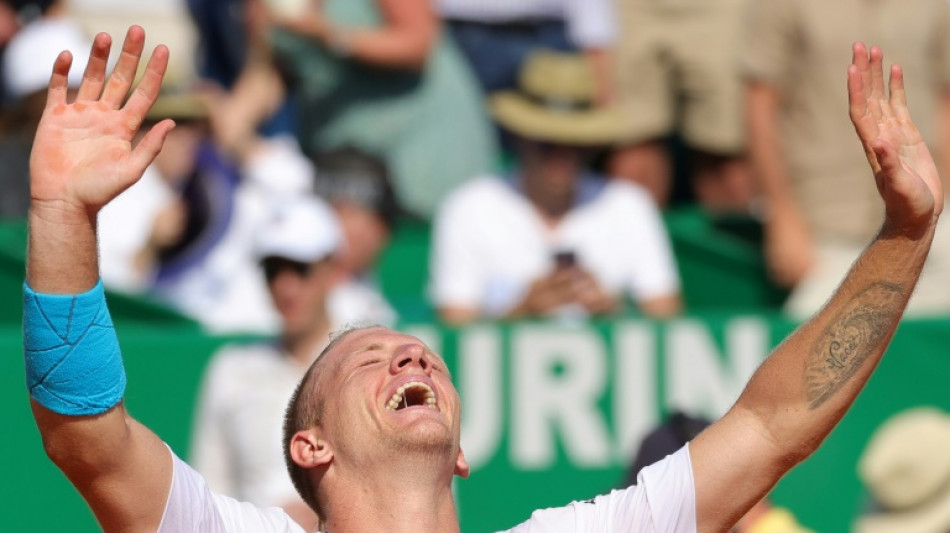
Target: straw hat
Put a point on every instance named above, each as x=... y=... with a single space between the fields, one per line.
x=906 y=467
x=555 y=103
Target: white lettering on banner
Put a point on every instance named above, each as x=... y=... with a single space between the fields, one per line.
x=635 y=410
x=544 y=403
x=559 y=379
x=701 y=381
x=480 y=377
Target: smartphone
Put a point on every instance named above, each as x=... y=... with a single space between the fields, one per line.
x=564 y=259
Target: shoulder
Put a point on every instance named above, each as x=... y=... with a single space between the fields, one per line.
x=485 y=187
x=192 y=506
x=621 y=198
x=476 y=195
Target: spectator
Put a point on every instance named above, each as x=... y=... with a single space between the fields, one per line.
x=497 y=36
x=9 y=26
x=821 y=209
x=236 y=439
x=184 y=233
x=553 y=237
x=25 y=76
x=681 y=428
x=906 y=470
x=377 y=75
x=358 y=187
x=677 y=73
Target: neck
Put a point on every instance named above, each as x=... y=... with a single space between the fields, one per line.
x=552 y=205
x=414 y=498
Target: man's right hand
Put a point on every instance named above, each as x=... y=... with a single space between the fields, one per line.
x=83 y=155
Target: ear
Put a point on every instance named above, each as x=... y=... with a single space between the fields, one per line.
x=462 y=469
x=309 y=451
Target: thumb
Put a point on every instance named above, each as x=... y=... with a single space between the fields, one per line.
x=886 y=157
x=149 y=147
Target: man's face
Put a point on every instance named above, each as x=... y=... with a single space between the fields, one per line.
x=556 y=166
x=388 y=395
x=299 y=292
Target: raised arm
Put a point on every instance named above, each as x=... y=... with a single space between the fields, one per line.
x=82 y=158
x=804 y=388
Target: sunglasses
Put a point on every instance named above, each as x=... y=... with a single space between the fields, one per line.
x=273 y=266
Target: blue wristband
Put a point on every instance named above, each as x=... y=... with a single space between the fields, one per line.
x=73 y=363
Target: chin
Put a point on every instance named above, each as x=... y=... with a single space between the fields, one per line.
x=428 y=439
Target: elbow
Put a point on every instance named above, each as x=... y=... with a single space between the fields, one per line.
x=782 y=441
x=84 y=446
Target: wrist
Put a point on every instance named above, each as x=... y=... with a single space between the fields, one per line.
x=918 y=230
x=60 y=212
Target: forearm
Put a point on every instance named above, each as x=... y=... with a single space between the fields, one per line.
x=798 y=395
x=392 y=48
x=804 y=388
x=62 y=255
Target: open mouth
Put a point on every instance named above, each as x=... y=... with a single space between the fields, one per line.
x=412 y=394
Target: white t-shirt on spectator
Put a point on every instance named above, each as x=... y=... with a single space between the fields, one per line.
x=490 y=244
x=662 y=501
x=236 y=443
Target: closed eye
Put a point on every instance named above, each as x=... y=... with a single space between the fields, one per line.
x=370 y=362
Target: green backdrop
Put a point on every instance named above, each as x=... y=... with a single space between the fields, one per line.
x=525 y=454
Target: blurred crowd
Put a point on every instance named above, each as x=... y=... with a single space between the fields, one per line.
x=542 y=139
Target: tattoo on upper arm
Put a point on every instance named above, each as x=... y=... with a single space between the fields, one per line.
x=851 y=338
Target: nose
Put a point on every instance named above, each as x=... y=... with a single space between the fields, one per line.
x=409 y=355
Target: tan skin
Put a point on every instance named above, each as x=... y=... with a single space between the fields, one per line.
x=802 y=390
x=408 y=457
x=83 y=157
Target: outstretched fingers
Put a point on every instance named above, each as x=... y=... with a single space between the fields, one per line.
x=898 y=95
x=878 y=92
x=59 y=80
x=94 y=77
x=149 y=86
x=865 y=113
x=124 y=73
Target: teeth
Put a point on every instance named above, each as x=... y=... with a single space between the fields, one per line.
x=399 y=397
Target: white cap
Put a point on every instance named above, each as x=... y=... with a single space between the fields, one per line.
x=28 y=60
x=304 y=229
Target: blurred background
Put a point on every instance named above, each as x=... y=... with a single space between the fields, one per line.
x=603 y=213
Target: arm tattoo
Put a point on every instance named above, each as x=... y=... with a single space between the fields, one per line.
x=851 y=338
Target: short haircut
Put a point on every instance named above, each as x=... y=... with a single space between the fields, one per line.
x=305 y=410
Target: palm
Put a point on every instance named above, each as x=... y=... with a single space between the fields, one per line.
x=83 y=153
x=903 y=167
